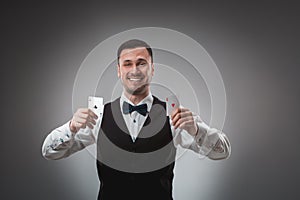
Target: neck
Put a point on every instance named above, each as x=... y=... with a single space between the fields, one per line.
x=136 y=98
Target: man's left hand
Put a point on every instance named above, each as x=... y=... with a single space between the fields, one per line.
x=183 y=118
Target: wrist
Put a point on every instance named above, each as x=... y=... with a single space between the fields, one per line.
x=72 y=127
x=195 y=132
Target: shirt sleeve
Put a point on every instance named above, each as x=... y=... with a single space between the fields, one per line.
x=61 y=142
x=208 y=142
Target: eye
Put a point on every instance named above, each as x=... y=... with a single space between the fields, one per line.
x=142 y=63
x=127 y=64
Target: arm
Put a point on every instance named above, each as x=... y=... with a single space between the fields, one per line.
x=72 y=136
x=211 y=142
x=191 y=132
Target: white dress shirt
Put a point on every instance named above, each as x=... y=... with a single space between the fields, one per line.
x=210 y=142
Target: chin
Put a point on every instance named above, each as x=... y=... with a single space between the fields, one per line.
x=136 y=91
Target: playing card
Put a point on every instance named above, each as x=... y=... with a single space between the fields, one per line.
x=172 y=103
x=96 y=104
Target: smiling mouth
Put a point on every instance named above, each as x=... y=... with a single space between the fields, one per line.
x=135 y=79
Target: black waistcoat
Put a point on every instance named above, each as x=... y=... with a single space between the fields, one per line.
x=135 y=170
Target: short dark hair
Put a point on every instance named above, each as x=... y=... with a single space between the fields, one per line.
x=134 y=43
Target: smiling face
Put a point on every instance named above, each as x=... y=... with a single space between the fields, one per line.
x=135 y=70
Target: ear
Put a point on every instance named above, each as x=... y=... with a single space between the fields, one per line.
x=119 y=71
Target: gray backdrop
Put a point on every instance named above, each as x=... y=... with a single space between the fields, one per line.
x=254 y=44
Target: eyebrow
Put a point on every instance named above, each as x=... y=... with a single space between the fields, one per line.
x=141 y=59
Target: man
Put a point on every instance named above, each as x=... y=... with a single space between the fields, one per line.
x=136 y=140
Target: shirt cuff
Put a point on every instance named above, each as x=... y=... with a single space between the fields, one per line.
x=206 y=138
x=62 y=137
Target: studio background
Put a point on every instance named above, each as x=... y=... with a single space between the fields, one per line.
x=254 y=44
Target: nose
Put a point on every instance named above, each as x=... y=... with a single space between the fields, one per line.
x=135 y=68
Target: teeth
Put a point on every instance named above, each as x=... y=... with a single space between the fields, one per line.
x=134 y=79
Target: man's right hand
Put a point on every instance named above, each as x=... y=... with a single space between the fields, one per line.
x=83 y=117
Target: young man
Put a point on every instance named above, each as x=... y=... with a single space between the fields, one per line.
x=135 y=138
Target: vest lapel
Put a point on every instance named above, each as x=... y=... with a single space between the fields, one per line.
x=118 y=117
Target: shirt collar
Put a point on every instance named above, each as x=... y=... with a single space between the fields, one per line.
x=147 y=100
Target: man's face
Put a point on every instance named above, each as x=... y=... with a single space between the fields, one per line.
x=135 y=70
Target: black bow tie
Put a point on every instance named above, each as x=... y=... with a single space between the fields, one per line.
x=128 y=108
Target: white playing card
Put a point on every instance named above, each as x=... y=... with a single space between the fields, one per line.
x=172 y=104
x=96 y=104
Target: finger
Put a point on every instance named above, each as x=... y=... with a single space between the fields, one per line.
x=83 y=110
x=82 y=115
x=84 y=118
x=186 y=124
x=91 y=120
x=178 y=110
x=182 y=121
x=180 y=115
x=91 y=113
x=83 y=126
x=174 y=112
x=90 y=125
x=81 y=120
x=79 y=125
